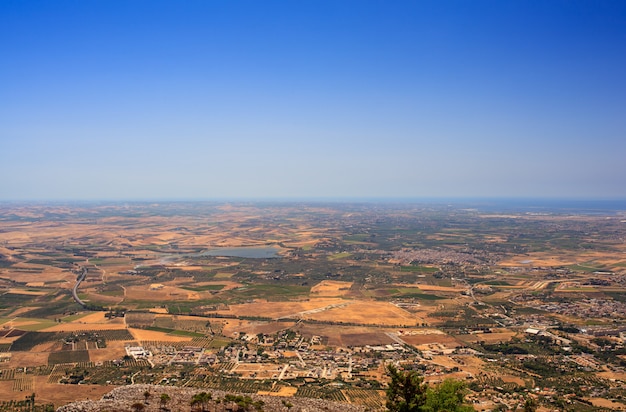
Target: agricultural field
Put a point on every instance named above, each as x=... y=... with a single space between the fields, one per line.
x=313 y=300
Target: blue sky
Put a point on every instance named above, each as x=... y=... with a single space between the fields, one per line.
x=312 y=99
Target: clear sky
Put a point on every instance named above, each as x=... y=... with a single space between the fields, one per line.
x=222 y=99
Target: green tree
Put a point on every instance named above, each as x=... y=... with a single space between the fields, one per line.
x=530 y=405
x=164 y=399
x=31 y=401
x=195 y=403
x=201 y=399
x=448 y=396
x=406 y=392
x=138 y=407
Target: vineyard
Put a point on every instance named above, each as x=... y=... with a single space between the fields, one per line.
x=219 y=343
x=29 y=340
x=174 y=331
x=226 y=366
x=112 y=334
x=232 y=385
x=162 y=346
x=26 y=405
x=139 y=320
x=169 y=324
x=166 y=346
x=43 y=370
x=72 y=356
x=191 y=325
x=108 y=372
x=11 y=333
x=57 y=373
x=488 y=382
x=7 y=374
x=201 y=342
x=372 y=399
x=23 y=383
x=331 y=394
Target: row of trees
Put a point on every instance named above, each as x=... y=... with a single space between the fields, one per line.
x=201 y=401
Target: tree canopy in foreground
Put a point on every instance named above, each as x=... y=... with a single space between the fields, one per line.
x=407 y=392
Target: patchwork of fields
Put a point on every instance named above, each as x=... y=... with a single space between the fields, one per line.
x=311 y=300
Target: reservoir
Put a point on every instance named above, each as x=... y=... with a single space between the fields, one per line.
x=263 y=252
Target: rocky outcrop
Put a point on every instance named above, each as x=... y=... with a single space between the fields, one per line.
x=122 y=399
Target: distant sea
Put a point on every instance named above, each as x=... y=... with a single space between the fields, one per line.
x=520 y=205
x=577 y=206
x=495 y=204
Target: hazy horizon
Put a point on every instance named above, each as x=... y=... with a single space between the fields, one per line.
x=481 y=203
x=312 y=100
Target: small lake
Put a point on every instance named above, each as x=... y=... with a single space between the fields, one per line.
x=264 y=252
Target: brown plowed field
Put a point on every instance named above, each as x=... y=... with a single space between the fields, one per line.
x=441 y=339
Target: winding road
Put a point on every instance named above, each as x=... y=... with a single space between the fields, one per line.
x=81 y=277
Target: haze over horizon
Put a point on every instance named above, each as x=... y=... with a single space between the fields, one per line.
x=312 y=99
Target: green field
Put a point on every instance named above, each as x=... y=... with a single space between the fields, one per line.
x=404 y=293
x=38 y=324
x=268 y=291
x=72 y=318
x=174 y=331
x=222 y=275
x=421 y=269
x=583 y=268
x=219 y=343
x=341 y=255
x=203 y=288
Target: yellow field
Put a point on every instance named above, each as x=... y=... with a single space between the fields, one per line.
x=367 y=312
x=223 y=275
x=329 y=309
x=34 y=357
x=431 y=288
x=50 y=274
x=286 y=391
x=487 y=337
x=74 y=327
x=142 y=335
x=167 y=293
x=607 y=403
x=331 y=288
x=563 y=259
x=232 y=326
x=25 y=309
x=96 y=317
x=431 y=340
x=114 y=350
x=258 y=370
x=277 y=310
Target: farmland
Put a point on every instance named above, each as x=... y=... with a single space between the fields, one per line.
x=312 y=298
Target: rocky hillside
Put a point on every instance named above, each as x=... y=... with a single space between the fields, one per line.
x=123 y=399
